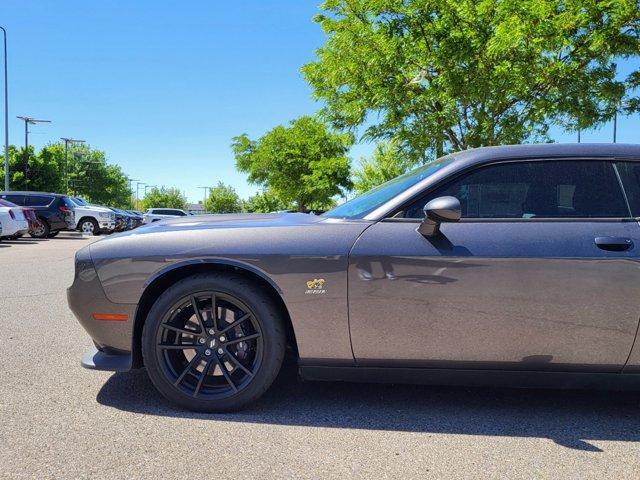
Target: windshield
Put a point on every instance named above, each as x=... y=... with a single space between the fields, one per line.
x=79 y=201
x=363 y=204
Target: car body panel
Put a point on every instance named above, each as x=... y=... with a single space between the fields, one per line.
x=314 y=248
x=505 y=295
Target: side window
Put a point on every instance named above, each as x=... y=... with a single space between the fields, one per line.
x=38 y=200
x=17 y=199
x=630 y=175
x=180 y=213
x=542 y=189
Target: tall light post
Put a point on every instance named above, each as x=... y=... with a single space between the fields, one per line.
x=28 y=121
x=131 y=180
x=148 y=186
x=67 y=141
x=137 y=189
x=6 y=114
x=206 y=189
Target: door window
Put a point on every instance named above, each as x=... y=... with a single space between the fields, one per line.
x=537 y=189
x=630 y=176
x=38 y=200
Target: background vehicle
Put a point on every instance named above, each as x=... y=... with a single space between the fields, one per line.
x=29 y=213
x=155 y=214
x=54 y=211
x=138 y=218
x=13 y=219
x=507 y=265
x=93 y=219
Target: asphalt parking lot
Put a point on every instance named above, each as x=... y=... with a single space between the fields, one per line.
x=58 y=420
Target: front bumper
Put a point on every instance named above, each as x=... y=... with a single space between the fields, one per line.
x=107 y=226
x=87 y=300
x=96 y=359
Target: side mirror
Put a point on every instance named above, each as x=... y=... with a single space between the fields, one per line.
x=438 y=210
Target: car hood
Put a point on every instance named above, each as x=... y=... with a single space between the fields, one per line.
x=231 y=220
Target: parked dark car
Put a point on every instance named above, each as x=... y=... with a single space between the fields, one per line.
x=515 y=265
x=54 y=212
x=138 y=218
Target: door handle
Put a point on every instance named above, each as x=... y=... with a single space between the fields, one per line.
x=614 y=244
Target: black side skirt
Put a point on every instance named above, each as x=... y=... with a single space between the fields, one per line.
x=476 y=378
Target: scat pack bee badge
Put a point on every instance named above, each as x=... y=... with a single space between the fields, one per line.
x=315 y=287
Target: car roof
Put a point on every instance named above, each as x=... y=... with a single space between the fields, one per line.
x=560 y=151
x=21 y=192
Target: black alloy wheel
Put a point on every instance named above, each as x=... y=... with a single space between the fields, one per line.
x=214 y=347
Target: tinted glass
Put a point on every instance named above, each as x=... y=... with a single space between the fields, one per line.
x=38 y=200
x=630 y=175
x=17 y=199
x=560 y=189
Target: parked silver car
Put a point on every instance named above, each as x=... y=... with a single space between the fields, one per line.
x=515 y=265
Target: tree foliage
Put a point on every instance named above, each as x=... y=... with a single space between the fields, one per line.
x=164 y=197
x=223 y=199
x=304 y=163
x=386 y=162
x=468 y=73
x=85 y=171
x=265 y=202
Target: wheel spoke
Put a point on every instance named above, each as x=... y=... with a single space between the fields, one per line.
x=183 y=331
x=173 y=346
x=196 y=310
x=226 y=374
x=186 y=370
x=243 y=339
x=214 y=312
x=239 y=364
x=246 y=316
x=204 y=374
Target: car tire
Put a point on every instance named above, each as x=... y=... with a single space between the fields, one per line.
x=216 y=383
x=88 y=225
x=53 y=234
x=41 y=230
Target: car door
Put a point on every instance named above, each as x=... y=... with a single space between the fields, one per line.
x=541 y=273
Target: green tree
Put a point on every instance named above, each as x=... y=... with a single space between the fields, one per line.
x=164 y=198
x=223 y=199
x=468 y=73
x=305 y=163
x=86 y=172
x=265 y=202
x=386 y=162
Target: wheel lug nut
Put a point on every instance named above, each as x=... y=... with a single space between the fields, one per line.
x=207 y=352
x=222 y=339
x=202 y=340
x=220 y=351
x=212 y=331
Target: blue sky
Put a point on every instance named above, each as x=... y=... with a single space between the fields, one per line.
x=163 y=86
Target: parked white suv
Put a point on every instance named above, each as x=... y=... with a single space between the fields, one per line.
x=93 y=219
x=155 y=214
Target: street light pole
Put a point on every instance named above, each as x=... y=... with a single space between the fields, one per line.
x=28 y=121
x=148 y=186
x=67 y=141
x=137 y=189
x=205 y=194
x=6 y=114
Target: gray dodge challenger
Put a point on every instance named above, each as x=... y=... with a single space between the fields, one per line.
x=515 y=265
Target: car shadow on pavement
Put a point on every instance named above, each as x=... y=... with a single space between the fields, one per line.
x=569 y=418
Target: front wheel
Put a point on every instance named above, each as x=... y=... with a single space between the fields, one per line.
x=89 y=226
x=213 y=342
